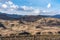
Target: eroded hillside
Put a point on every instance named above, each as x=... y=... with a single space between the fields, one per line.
x=30 y=24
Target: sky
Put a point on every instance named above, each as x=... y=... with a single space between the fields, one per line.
x=30 y=7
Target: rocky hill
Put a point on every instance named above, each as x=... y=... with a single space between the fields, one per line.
x=29 y=24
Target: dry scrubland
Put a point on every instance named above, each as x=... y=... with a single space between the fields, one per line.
x=31 y=25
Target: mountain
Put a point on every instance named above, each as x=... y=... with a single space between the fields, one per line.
x=9 y=16
x=29 y=17
x=17 y=24
x=56 y=16
x=6 y=16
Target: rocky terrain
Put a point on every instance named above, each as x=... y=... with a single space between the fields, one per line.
x=30 y=24
x=17 y=24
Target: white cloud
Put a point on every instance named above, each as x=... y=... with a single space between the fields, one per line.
x=26 y=8
x=9 y=2
x=36 y=11
x=44 y=10
x=49 y=5
x=14 y=6
x=11 y=5
x=4 y=6
x=3 y=1
x=19 y=10
x=8 y=6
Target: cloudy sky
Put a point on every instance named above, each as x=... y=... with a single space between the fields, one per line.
x=30 y=7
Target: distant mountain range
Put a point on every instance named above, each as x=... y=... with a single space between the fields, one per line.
x=56 y=16
x=17 y=17
x=9 y=16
